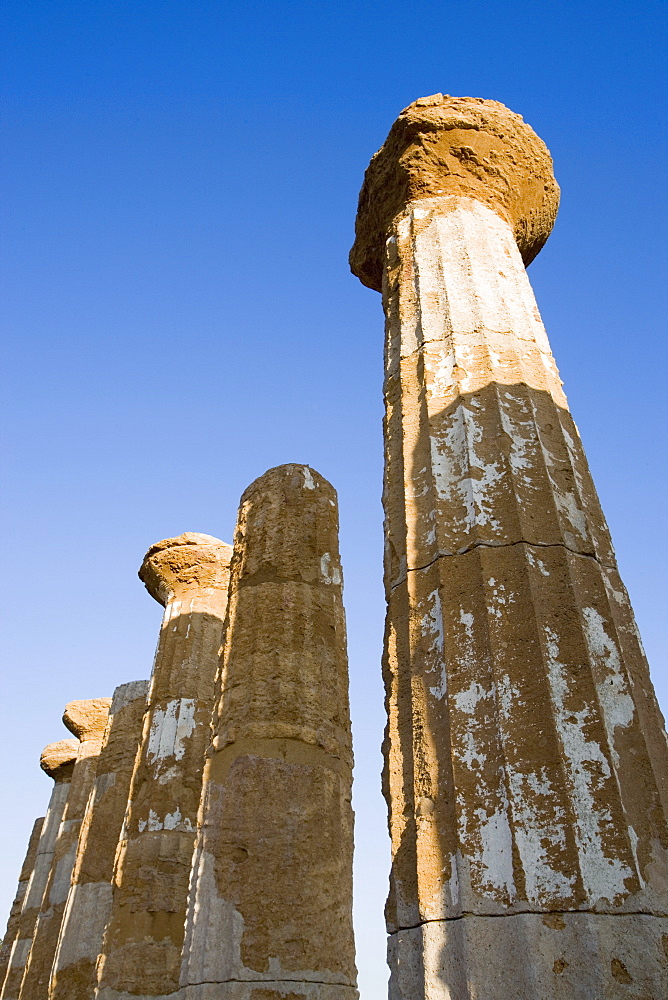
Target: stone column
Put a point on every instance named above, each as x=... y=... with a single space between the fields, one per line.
x=89 y=900
x=525 y=757
x=87 y=720
x=144 y=938
x=270 y=910
x=14 y=922
x=57 y=761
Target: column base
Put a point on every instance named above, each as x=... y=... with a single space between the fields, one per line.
x=533 y=956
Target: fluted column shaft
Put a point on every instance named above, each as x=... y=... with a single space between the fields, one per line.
x=14 y=922
x=525 y=757
x=57 y=760
x=90 y=895
x=270 y=914
x=144 y=937
x=87 y=720
x=525 y=764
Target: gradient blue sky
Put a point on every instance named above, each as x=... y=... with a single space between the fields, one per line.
x=179 y=185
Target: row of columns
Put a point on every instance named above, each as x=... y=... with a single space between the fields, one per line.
x=197 y=859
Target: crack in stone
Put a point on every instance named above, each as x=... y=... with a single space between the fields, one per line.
x=504 y=545
x=531 y=913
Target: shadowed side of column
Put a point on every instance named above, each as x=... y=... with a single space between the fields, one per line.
x=57 y=760
x=141 y=953
x=90 y=896
x=87 y=720
x=270 y=910
x=14 y=921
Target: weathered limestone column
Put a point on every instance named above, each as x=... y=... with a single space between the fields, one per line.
x=142 y=946
x=14 y=922
x=90 y=896
x=87 y=720
x=57 y=760
x=525 y=757
x=270 y=910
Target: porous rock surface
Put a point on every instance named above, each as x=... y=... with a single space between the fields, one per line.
x=525 y=754
x=442 y=145
x=143 y=939
x=271 y=915
x=57 y=759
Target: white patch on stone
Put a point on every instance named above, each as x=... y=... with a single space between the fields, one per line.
x=569 y=507
x=329 y=573
x=308 y=478
x=452 y=885
x=170 y=728
x=587 y=766
x=495 y=857
x=537 y=563
x=613 y=692
x=468 y=700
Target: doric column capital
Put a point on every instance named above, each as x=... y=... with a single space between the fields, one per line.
x=87 y=720
x=57 y=759
x=191 y=561
x=465 y=146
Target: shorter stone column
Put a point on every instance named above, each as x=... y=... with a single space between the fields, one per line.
x=90 y=896
x=144 y=938
x=57 y=761
x=270 y=914
x=13 y=924
x=87 y=720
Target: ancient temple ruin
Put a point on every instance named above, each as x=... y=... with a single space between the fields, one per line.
x=525 y=754
x=198 y=840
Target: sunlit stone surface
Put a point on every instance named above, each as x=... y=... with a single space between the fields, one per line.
x=525 y=756
x=271 y=910
x=144 y=936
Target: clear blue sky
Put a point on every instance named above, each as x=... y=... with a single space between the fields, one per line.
x=179 y=184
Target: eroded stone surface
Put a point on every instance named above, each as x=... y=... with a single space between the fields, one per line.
x=57 y=760
x=144 y=936
x=35 y=984
x=87 y=719
x=531 y=957
x=461 y=146
x=90 y=895
x=525 y=754
x=14 y=922
x=270 y=913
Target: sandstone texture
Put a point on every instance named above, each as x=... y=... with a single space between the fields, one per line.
x=525 y=753
x=14 y=922
x=90 y=895
x=89 y=718
x=57 y=760
x=462 y=146
x=144 y=934
x=270 y=915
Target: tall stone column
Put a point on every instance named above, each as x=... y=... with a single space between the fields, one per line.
x=90 y=896
x=14 y=922
x=86 y=720
x=525 y=757
x=144 y=938
x=270 y=910
x=57 y=760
